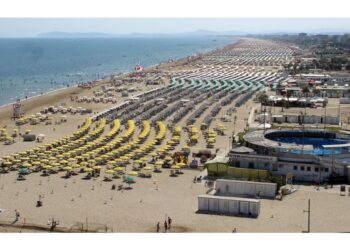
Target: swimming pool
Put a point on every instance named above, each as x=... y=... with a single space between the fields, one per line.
x=316 y=143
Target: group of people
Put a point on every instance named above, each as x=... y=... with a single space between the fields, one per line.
x=180 y=157
x=167 y=225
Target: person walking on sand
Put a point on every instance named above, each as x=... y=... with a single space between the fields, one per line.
x=158 y=227
x=169 y=222
x=17 y=215
x=165 y=226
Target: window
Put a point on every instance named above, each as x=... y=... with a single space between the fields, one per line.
x=302 y=168
x=266 y=165
x=274 y=167
x=295 y=167
x=326 y=169
x=316 y=169
x=280 y=166
x=308 y=169
x=251 y=164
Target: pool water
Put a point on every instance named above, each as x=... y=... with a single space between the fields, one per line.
x=317 y=144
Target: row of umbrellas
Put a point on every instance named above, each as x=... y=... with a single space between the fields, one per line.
x=70 y=163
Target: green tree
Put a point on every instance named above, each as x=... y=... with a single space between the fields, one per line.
x=316 y=91
x=263 y=98
x=305 y=90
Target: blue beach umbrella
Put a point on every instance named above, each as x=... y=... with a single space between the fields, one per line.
x=23 y=171
x=129 y=178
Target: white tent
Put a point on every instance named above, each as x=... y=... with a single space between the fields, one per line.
x=264 y=125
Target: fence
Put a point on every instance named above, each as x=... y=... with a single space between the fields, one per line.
x=10 y=224
x=223 y=170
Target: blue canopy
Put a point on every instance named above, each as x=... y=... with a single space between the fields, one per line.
x=23 y=171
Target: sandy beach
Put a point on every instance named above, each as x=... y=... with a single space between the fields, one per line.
x=77 y=203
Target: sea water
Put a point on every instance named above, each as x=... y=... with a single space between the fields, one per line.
x=32 y=66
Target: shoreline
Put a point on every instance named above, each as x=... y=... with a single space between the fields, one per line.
x=121 y=74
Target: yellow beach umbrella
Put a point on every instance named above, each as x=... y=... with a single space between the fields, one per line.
x=96 y=167
x=180 y=164
x=47 y=167
x=175 y=167
x=132 y=173
x=168 y=158
x=26 y=165
x=143 y=158
x=159 y=163
x=88 y=169
x=67 y=168
x=109 y=171
x=118 y=169
x=178 y=129
x=147 y=168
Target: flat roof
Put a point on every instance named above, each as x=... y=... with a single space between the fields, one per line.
x=231 y=198
x=247 y=182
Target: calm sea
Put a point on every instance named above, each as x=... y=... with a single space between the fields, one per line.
x=29 y=67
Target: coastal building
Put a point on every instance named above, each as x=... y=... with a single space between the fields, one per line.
x=309 y=155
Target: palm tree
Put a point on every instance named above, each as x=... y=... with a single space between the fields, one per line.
x=263 y=98
x=283 y=103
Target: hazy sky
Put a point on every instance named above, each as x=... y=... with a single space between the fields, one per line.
x=29 y=27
